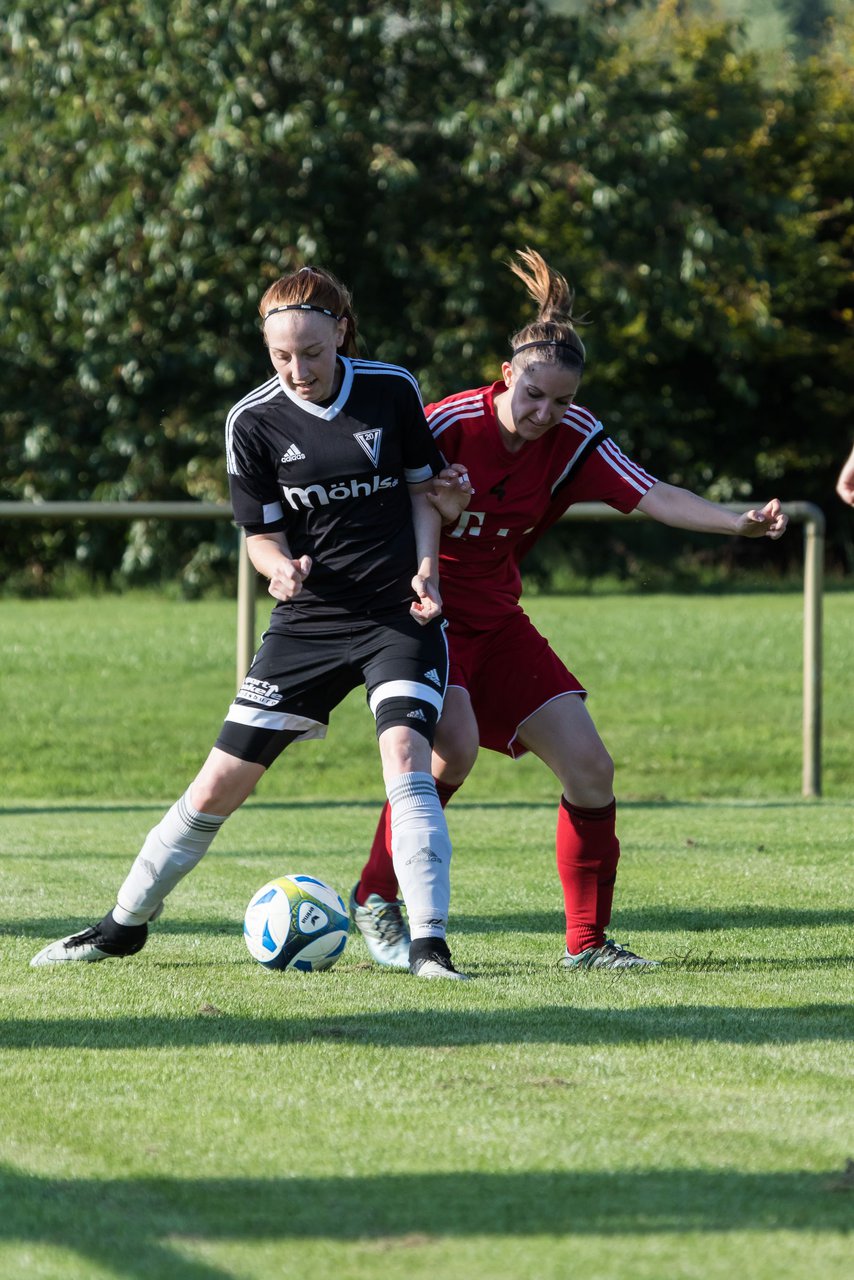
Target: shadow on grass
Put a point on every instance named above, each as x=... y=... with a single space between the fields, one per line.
x=661 y=919
x=630 y=922
x=321 y=802
x=552 y=1024
x=146 y=1224
x=47 y=928
x=651 y=919
x=160 y=806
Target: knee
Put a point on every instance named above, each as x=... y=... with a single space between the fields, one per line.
x=454 y=770
x=590 y=779
x=454 y=754
x=403 y=751
x=208 y=798
x=223 y=784
x=603 y=770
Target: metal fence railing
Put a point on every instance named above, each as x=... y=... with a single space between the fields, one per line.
x=812 y=518
x=805 y=513
x=160 y=511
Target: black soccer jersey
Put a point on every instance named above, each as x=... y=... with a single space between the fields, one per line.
x=334 y=480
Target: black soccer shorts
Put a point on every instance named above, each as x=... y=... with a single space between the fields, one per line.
x=298 y=677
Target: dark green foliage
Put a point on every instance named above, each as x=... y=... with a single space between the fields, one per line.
x=163 y=163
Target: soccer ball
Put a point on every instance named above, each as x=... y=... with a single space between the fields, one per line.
x=296 y=922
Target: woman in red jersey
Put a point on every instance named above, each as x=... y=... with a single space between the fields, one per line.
x=530 y=452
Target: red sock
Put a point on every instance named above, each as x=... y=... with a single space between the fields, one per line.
x=378 y=872
x=587 y=854
x=445 y=790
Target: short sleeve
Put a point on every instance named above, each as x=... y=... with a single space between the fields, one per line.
x=421 y=457
x=606 y=475
x=255 y=495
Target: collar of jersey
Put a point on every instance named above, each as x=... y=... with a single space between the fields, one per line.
x=331 y=410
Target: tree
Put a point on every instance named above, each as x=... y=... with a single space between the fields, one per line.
x=164 y=162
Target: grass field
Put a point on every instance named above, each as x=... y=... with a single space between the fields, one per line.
x=186 y=1114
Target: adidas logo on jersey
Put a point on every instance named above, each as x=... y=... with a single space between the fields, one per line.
x=293 y=454
x=433 y=675
x=417 y=714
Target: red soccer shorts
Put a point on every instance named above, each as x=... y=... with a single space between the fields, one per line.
x=510 y=672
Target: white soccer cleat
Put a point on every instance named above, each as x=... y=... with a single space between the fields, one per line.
x=384 y=929
x=431 y=958
x=89 y=946
x=103 y=941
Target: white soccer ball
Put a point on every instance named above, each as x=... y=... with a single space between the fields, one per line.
x=296 y=922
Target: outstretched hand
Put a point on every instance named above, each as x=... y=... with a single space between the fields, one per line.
x=429 y=603
x=288 y=577
x=769 y=521
x=452 y=492
x=845 y=482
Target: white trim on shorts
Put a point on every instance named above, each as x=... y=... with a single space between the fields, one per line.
x=404 y=689
x=258 y=718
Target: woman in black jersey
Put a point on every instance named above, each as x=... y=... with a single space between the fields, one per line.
x=330 y=463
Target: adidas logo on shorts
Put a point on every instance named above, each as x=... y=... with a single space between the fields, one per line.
x=417 y=714
x=293 y=455
x=433 y=675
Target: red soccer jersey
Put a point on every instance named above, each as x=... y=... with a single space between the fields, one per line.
x=517 y=496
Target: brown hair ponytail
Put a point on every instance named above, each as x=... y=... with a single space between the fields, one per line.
x=552 y=337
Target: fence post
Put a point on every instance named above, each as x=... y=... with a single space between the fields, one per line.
x=246 y=583
x=814 y=525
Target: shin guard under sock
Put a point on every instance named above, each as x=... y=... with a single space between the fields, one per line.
x=378 y=872
x=421 y=849
x=171 y=850
x=587 y=855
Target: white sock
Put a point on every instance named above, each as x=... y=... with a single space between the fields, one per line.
x=421 y=852
x=171 y=850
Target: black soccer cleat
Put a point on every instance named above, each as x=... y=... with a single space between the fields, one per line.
x=431 y=958
x=102 y=941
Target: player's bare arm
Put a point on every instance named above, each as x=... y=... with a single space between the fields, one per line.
x=427 y=523
x=451 y=493
x=845 y=481
x=270 y=555
x=682 y=509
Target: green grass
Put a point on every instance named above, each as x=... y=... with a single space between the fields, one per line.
x=186 y=1114
x=121 y=697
